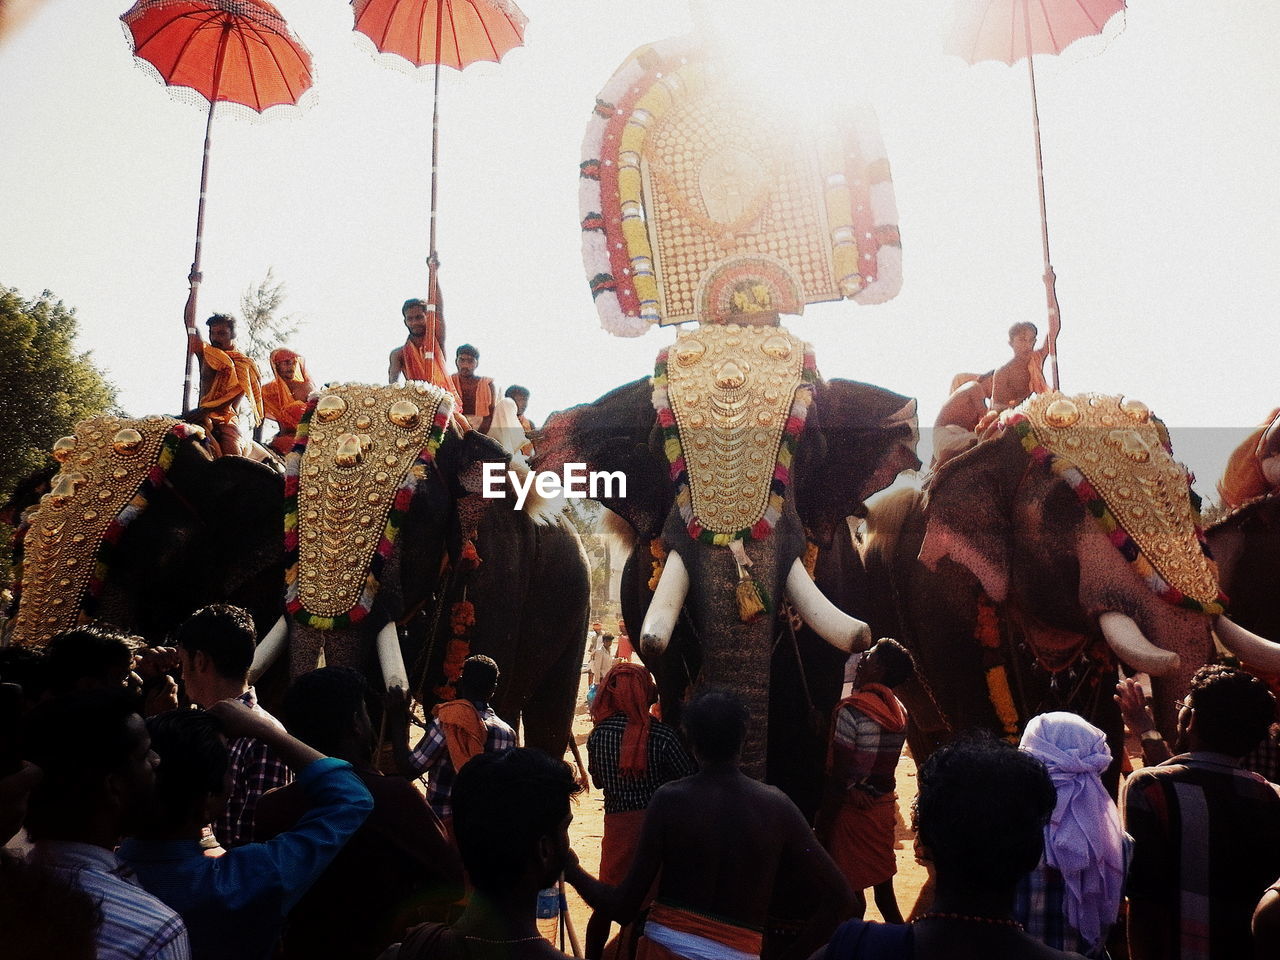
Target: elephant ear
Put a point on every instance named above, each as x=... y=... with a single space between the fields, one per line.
x=969 y=511
x=857 y=439
x=614 y=433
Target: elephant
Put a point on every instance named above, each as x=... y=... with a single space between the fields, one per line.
x=522 y=572
x=1246 y=545
x=685 y=591
x=200 y=531
x=1016 y=580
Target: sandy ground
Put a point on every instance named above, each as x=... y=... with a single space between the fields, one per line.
x=588 y=825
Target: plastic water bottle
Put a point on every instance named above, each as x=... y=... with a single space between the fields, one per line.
x=548 y=914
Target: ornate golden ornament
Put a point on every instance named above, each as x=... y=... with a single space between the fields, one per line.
x=1136 y=409
x=727 y=425
x=1145 y=489
x=1062 y=413
x=64 y=448
x=113 y=458
x=352 y=473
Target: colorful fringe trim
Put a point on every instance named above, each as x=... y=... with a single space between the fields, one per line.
x=390 y=531
x=1097 y=508
x=782 y=467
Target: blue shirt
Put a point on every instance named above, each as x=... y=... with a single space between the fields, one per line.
x=234 y=905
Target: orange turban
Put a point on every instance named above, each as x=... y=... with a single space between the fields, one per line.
x=628 y=689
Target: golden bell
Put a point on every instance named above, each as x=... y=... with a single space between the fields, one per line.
x=404 y=414
x=65 y=486
x=350 y=451
x=777 y=346
x=1062 y=413
x=730 y=376
x=1136 y=409
x=127 y=442
x=63 y=448
x=330 y=407
x=689 y=352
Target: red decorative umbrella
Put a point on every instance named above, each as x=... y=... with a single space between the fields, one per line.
x=450 y=33
x=239 y=54
x=1008 y=31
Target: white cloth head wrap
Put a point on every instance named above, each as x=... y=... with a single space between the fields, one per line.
x=1083 y=839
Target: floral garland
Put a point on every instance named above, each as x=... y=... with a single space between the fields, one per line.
x=462 y=617
x=1097 y=507
x=391 y=530
x=659 y=553
x=782 y=468
x=986 y=631
x=115 y=531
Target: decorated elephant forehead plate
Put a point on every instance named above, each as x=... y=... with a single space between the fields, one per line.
x=363 y=450
x=100 y=487
x=1121 y=450
x=731 y=390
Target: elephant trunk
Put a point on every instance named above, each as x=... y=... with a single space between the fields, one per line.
x=390 y=659
x=1127 y=640
x=1249 y=647
x=664 y=610
x=269 y=649
x=828 y=621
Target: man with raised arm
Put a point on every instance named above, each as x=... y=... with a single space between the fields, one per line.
x=230 y=387
x=720 y=844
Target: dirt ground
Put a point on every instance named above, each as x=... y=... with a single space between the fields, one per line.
x=588 y=826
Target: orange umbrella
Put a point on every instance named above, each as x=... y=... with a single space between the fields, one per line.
x=451 y=33
x=239 y=54
x=1008 y=31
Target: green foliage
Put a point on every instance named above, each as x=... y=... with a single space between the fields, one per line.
x=45 y=387
x=262 y=331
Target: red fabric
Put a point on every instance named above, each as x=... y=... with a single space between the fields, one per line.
x=472 y=29
x=995 y=29
x=877 y=701
x=619 y=844
x=628 y=689
x=257 y=62
x=686 y=921
x=861 y=842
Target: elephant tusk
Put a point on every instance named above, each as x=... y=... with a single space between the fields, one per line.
x=828 y=621
x=1129 y=643
x=1249 y=647
x=390 y=659
x=664 y=610
x=269 y=650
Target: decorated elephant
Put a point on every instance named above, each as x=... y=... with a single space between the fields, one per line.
x=399 y=566
x=1037 y=560
x=141 y=527
x=741 y=465
x=1246 y=545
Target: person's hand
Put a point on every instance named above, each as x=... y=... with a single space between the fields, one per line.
x=238 y=720
x=156 y=661
x=160 y=695
x=1133 y=707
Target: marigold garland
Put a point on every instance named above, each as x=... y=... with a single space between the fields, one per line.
x=1097 y=508
x=986 y=631
x=462 y=617
x=659 y=553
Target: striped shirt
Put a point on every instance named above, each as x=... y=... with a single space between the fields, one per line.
x=667 y=761
x=1040 y=906
x=864 y=755
x=1206 y=845
x=431 y=756
x=135 y=925
x=255 y=769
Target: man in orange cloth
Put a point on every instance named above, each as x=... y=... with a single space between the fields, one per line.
x=230 y=387
x=719 y=844
x=284 y=399
x=1253 y=469
x=422 y=356
x=630 y=755
x=1024 y=374
x=858 y=814
x=479 y=395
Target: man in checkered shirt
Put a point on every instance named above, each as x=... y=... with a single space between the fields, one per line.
x=215 y=648
x=459 y=730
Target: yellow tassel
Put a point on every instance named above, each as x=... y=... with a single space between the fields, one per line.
x=750 y=603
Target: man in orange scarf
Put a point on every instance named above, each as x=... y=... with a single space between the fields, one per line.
x=479 y=395
x=1253 y=469
x=284 y=399
x=230 y=387
x=422 y=356
x=857 y=818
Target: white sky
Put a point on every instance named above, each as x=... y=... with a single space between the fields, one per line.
x=1161 y=148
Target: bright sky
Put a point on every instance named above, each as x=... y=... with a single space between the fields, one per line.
x=1160 y=143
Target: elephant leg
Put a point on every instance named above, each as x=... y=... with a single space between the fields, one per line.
x=547 y=714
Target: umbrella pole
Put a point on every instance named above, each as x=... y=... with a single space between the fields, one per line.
x=1050 y=279
x=433 y=262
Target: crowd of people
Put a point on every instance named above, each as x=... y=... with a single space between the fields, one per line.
x=153 y=808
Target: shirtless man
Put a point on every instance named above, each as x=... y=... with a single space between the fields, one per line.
x=956 y=429
x=422 y=354
x=720 y=844
x=479 y=395
x=1024 y=374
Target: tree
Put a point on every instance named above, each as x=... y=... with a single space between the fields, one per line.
x=263 y=330
x=45 y=387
